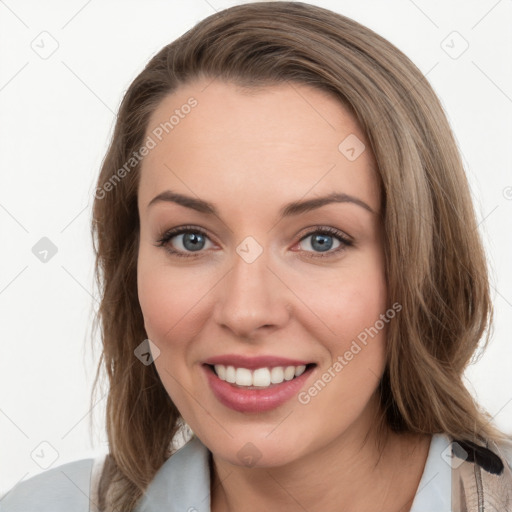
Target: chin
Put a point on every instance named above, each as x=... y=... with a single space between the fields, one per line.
x=258 y=450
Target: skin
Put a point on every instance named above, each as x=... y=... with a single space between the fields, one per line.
x=250 y=152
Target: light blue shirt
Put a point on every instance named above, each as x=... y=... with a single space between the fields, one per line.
x=182 y=484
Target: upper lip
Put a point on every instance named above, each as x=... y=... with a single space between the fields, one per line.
x=241 y=361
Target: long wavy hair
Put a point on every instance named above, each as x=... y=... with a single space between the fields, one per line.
x=434 y=260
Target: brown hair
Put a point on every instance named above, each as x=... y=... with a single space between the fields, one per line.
x=435 y=263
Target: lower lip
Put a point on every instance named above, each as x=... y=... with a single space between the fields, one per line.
x=255 y=400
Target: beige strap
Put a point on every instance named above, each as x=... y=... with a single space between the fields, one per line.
x=476 y=490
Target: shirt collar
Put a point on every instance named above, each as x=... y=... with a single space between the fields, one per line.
x=183 y=482
x=435 y=487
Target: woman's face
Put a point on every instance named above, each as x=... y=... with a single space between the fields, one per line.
x=255 y=273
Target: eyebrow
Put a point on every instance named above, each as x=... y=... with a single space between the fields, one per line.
x=288 y=210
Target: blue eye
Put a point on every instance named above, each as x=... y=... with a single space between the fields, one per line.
x=193 y=240
x=322 y=239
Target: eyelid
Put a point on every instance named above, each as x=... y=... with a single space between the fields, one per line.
x=320 y=228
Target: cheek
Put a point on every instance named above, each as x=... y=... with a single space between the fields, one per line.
x=165 y=297
x=361 y=310
x=168 y=321
x=357 y=352
x=155 y=303
x=347 y=301
x=364 y=326
x=349 y=310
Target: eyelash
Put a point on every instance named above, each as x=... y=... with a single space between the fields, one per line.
x=324 y=230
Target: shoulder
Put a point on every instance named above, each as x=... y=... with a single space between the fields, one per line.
x=63 y=488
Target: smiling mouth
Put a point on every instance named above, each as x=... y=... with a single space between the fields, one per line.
x=260 y=378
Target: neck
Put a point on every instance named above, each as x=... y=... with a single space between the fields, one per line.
x=367 y=471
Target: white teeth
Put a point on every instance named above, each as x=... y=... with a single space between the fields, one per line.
x=300 y=370
x=261 y=377
x=277 y=375
x=289 y=372
x=221 y=372
x=243 y=377
x=230 y=374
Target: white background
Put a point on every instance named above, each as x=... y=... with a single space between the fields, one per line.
x=57 y=116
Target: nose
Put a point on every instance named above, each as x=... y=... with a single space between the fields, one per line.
x=252 y=299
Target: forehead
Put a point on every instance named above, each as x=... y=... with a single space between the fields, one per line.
x=277 y=142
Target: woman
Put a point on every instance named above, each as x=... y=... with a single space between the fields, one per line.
x=291 y=273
